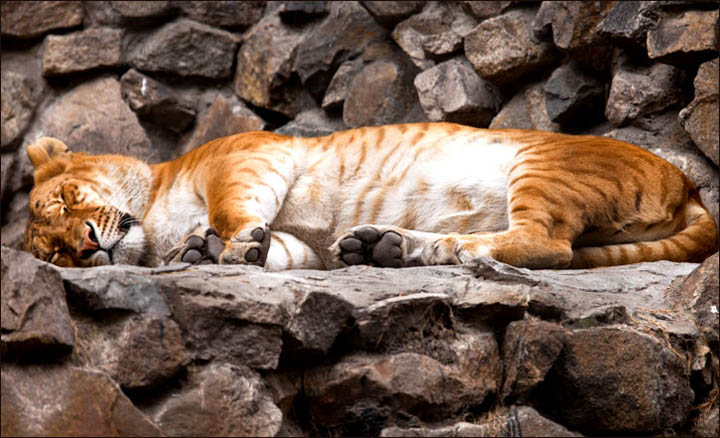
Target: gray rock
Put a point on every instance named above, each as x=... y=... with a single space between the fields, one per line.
x=226 y=116
x=230 y=14
x=390 y=13
x=629 y=22
x=484 y=9
x=35 y=318
x=618 y=380
x=141 y=12
x=302 y=11
x=640 y=90
x=502 y=48
x=16 y=213
x=81 y=51
x=312 y=333
x=312 y=123
x=337 y=90
x=186 y=48
x=437 y=31
x=20 y=95
x=220 y=400
x=154 y=101
x=684 y=37
x=453 y=92
x=700 y=118
x=31 y=19
x=62 y=400
x=573 y=96
x=526 y=110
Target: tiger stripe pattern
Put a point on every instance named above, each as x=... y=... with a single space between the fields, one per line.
x=389 y=196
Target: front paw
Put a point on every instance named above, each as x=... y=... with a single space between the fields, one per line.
x=247 y=248
x=372 y=245
x=199 y=247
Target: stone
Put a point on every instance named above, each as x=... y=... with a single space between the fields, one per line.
x=230 y=14
x=264 y=66
x=530 y=349
x=24 y=19
x=226 y=116
x=82 y=51
x=141 y=12
x=140 y=351
x=344 y=34
x=684 y=37
x=641 y=90
x=19 y=99
x=302 y=11
x=484 y=9
x=61 y=400
x=337 y=90
x=312 y=123
x=220 y=400
x=526 y=110
x=502 y=48
x=155 y=102
x=186 y=48
x=573 y=96
x=390 y=13
x=313 y=334
x=453 y=92
x=700 y=117
x=15 y=214
x=436 y=32
x=615 y=380
x=35 y=318
x=628 y=23
x=381 y=93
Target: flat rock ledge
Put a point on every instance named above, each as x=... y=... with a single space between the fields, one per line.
x=481 y=349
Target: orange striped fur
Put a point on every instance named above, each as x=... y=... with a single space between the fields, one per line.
x=426 y=194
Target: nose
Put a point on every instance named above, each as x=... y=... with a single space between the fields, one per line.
x=90 y=241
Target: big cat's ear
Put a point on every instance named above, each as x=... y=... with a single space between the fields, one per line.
x=46 y=149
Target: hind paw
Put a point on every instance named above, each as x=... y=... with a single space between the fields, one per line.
x=375 y=246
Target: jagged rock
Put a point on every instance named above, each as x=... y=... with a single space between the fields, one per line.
x=226 y=116
x=641 y=90
x=35 y=318
x=708 y=421
x=502 y=49
x=516 y=421
x=137 y=352
x=382 y=92
x=264 y=65
x=437 y=31
x=529 y=351
x=80 y=51
x=13 y=232
x=573 y=96
x=220 y=400
x=302 y=11
x=617 y=380
x=342 y=35
x=486 y=9
x=186 y=48
x=152 y=100
x=230 y=14
x=312 y=123
x=20 y=96
x=24 y=19
x=684 y=37
x=453 y=92
x=315 y=334
x=525 y=110
x=141 y=12
x=628 y=22
x=700 y=118
x=337 y=90
x=61 y=400
x=390 y=13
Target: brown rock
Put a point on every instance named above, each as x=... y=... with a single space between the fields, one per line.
x=390 y=13
x=220 y=400
x=628 y=22
x=312 y=123
x=232 y=14
x=617 y=380
x=684 y=37
x=318 y=335
x=25 y=19
x=297 y=12
x=485 y=9
x=453 y=92
x=530 y=349
x=35 y=318
x=700 y=118
x=152 y=100
x=526 y=110
x=186 y=48
x=337 y=90
x=80 y=51
x=502 y=49
x=264 y=64
x=141 y=12
x=224 y=117
x=436 y=32
x=60 y=400
x=700 y=292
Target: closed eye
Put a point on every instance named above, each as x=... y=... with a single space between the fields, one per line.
x=53 y=257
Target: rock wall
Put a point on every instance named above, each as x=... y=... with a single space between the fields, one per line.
x=482 y=349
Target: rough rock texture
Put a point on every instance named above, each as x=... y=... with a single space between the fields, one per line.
x=481 y=349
